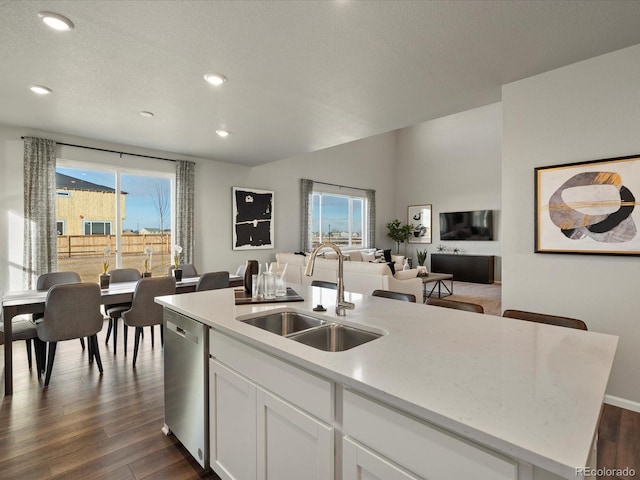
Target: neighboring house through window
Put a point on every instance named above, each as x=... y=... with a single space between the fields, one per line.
x=96 y=228
x=110 y=217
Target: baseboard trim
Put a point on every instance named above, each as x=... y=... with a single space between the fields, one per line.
x=622 y=403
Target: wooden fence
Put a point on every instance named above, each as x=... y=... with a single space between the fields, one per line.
x=71 y=246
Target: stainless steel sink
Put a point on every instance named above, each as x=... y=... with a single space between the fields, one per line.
x=285 y=323
x=334 y=337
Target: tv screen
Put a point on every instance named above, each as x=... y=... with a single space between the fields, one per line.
x=474 y=225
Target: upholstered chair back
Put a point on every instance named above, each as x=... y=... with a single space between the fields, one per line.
x=48 y=280
x=144 y=310
x=71 y=310
x=213 y=281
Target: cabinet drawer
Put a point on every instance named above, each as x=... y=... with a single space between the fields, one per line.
x=359 y=463
x=285 y=380
x=419 y=447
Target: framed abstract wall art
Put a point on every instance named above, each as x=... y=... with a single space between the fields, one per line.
x=419 y=217
x=588 y=207
x=252 y=219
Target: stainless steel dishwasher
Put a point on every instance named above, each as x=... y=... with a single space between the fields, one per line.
x=185 y=383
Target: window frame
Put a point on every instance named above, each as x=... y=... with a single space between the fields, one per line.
x=322 y=190
x=118 y=171
x=91 y=222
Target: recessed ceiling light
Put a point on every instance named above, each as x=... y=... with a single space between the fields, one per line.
x=56 y=21
x=146 y=114
x=215 y=78
x=40 y=90
x=222 y=133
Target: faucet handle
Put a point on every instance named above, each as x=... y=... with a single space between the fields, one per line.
x=341 y=306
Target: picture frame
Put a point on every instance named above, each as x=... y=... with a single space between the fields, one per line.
x=419 y=217
x=588 y=207
x=253 y=218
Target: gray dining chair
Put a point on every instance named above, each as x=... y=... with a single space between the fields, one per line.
x=212 y=281
x=188 y=270
x=144 y=311
x=22 y=328
x=405 y=297
x=46 y=281
x=114 y=311
x=71 y=311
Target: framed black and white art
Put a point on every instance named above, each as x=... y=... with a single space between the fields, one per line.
x=419 y=217
x=588 y=207
x=252 y=219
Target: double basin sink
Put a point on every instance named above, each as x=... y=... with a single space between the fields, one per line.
x=313 y=331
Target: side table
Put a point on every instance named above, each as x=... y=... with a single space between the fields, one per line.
x=438 y=280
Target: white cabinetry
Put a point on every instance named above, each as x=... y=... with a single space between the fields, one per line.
x=232 y=424
x=291 y=444
x=360 y=463
x=414 y=445
x=256 y=431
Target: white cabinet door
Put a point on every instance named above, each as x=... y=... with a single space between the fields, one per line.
x=359 y=463
x=232 y=420
x=291 y=444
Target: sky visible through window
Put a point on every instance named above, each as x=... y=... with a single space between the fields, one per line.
x=140 y=209
x=335 y=211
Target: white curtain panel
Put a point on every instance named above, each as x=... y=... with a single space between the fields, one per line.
x=40 y=235
x=371 y=219
x=305 y=213
x=185 y=188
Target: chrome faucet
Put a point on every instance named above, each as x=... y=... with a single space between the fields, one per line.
x=341 y=304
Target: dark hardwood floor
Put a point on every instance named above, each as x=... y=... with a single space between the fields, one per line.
x=84 y=426
x=619 y=442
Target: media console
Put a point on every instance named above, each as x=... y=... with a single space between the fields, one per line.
x=465 y=268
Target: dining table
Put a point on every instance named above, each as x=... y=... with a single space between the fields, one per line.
x=33 y=301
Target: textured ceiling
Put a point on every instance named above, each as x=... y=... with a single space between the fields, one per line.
x=303 y=75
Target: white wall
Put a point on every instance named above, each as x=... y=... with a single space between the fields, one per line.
x=454 y=164
x=586 y=111
x=366 y=164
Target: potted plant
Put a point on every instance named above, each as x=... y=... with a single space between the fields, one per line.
x=148 y=251
x=422 y=257
x=105 y=277
x=398 y=232
x=177 y=272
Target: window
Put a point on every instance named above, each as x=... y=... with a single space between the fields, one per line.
x=124 y=212
x=96 y=228
x=337 y=218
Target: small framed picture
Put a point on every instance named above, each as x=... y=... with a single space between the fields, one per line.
x=588 y=207
x=419 y=217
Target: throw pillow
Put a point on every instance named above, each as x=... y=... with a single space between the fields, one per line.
x=368 y=257
x=404 y=274
x=387 y=255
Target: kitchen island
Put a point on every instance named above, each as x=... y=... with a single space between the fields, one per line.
x=442 y=394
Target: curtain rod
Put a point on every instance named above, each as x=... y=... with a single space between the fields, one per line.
x=344 y=186
x=113 y=151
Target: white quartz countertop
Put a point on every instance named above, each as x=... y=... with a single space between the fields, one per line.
x=528 y=390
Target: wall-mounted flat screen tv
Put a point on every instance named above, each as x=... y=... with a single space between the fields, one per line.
x=473 y=225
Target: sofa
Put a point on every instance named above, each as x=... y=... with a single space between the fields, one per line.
x=364 y=255
x=359 y=276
